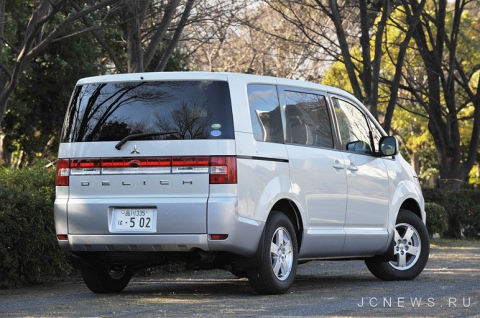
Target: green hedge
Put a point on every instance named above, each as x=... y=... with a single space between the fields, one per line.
x=29 y=251
x=462 y=208
x=437 y=220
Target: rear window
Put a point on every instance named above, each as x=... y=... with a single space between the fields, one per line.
x=176 y=109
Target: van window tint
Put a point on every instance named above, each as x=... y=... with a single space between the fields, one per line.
x=112 y=111
x=265 y=113
x=354 y=131
x=307 y=120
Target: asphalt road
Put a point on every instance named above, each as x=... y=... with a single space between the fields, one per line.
x=448 y=287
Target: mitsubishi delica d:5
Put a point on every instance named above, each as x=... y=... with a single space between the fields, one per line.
x=245 y=173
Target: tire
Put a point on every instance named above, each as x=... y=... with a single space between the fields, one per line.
x=105 y=279
x=279 y=255
x=411 y=250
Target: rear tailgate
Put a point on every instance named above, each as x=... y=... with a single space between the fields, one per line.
x=136 y=154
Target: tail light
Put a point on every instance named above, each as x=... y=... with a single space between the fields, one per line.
x=222 y=169
x=190 y=165
x=63 y=172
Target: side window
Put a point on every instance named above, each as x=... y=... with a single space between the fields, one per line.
x=265 y=113
x=354 y=131
x=307 y=120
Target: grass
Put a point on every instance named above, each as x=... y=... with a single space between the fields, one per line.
x=442 y=242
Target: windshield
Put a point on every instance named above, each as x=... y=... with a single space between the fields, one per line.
x=112 y=111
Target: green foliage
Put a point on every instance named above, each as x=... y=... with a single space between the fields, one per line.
x=28 y=247
x=37 y=109
x=437 y=221
x=475 y=173
x=336 y=76
x=472 y=229
x=462 y=208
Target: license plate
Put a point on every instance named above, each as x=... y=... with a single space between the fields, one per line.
x=134 y=220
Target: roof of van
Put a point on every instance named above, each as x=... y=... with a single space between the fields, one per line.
x=219 y=76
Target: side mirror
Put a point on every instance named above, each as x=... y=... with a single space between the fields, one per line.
x=388 y=146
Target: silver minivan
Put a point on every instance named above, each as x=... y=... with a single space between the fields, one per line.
x=245 y=173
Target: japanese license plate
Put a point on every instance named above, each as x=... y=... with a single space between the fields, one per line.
x=133 y=220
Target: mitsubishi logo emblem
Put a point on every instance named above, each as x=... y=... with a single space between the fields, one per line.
x=135 y=150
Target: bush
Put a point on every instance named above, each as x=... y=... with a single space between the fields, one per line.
x=433 y=195
x=460 y=207
x=28 y=246
x=457 y=205
x=437 y=220
x=471 y=222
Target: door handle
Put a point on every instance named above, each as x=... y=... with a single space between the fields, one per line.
x=338 y=165
x=352 y=167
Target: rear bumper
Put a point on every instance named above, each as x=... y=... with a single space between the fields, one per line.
x=222 y=218
x=134 y=243
x=240 y=242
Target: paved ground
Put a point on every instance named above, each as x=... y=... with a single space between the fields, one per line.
x=449 y=287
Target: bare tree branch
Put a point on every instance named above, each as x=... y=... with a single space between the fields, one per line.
x=176 y=37
x=159 y=35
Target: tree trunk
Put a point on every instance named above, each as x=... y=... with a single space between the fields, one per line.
x=176 y=37
x=347 y=58
x=159 y=35
x=413 y=18
x=132 y=14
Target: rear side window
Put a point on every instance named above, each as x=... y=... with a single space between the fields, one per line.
x=186 y=109
x=265 y=113
x=307 y=120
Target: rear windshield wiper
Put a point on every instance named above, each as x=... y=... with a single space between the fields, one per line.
x=135 y=136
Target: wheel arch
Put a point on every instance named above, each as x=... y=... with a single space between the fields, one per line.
x=413 y=206
x=290 y=209
x=293 y=213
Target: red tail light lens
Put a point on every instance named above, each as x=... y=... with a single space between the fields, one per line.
x=63 y=172
x=190 y=165
x=189 y=161
x=136 y=162
x=85 y=163
x=223 y=170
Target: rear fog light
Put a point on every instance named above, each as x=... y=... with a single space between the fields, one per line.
x=218 y=237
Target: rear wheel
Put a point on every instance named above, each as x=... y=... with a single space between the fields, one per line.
x=104 y=279
x=411 y=250
x=278 y=267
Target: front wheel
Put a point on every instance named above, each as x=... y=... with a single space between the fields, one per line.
x=411 y=250
x=278 y=267
x=103 y=279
